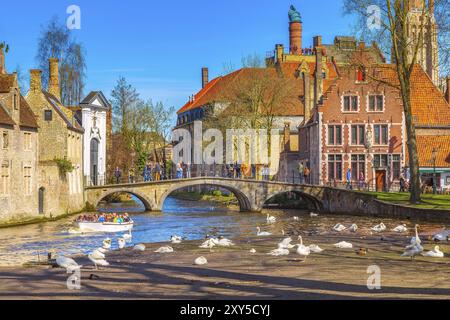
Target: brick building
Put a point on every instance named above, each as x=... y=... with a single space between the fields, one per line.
x=18 y=151
x=60 y=137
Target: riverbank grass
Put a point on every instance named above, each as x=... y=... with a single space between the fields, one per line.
x=429 y=201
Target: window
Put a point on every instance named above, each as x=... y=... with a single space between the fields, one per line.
x=5 y=140
x=48 y=115
x=350 y=103
x=358 y=135
x=27 y=180
x=334 y=135
x=380 y=160
x=4 y=182
x=334 y=167
x=376 y=103
x=381 y=134
x=360 y=75
x=396 y=166
x=358 y=166
x=27 y=141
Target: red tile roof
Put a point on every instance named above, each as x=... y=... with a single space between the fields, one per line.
x=425 y=147
x=6 y=82
x=5 y=118
x=27 y=117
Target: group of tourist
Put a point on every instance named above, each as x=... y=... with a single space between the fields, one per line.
x=105 y=217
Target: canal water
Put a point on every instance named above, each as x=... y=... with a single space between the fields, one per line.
x=190 y=219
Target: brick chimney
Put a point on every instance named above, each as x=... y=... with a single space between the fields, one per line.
x=2 y=61
x=295 y=36
x=35 y=81
x=447 y=93
x=205 y=77
x=279 y=52
x=318 y=81
x=53 y=83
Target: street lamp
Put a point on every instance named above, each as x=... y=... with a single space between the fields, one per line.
x=433 y=157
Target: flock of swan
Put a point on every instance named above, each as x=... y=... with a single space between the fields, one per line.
x=413 y=249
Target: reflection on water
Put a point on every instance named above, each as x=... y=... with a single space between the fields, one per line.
x=184 y=218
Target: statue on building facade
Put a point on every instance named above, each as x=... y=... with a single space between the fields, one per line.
x=294 y=15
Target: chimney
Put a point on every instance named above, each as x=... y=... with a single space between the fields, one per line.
x=447 y=94
x=205 y=77
x=307 y=96
x=317 y=41
x=53 y=84
x=279 y=50
x=35 y=81
x=2 y=61
x=295 y=35
x=318 y=84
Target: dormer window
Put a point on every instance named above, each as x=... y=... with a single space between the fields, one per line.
x=360 y=75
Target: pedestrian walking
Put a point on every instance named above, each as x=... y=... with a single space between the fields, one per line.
x=117 y=175
x=301 y=171
x=349 y=179
x=157 y=172
x=307 y=174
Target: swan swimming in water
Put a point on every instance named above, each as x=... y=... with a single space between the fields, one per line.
x=400 y=228
x=379 y=227
x=164 y=250
x=313 y=215
x=343 y=245
x=271 y=219
x=107 y=243
x=303 y=250
x=262 y=234
x=435 y=253
x=252 y=251
x=175 y=239
x=127 y=236
x=139 y=247
x=200 y=261
x=339 y=227
x=121 y=242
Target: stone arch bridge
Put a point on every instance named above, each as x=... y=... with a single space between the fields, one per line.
x=251 y=194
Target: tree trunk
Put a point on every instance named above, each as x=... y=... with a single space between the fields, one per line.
x=412 y=144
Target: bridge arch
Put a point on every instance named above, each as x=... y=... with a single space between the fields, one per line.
x=244 y=199
x=313 y=202
x=148 y=203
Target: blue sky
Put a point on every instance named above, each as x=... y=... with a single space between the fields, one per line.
x=160 y=46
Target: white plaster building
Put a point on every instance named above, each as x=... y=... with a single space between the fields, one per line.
x=94 y=109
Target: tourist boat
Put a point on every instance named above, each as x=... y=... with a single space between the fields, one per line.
x=109 y=227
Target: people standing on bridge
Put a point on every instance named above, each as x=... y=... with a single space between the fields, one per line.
x=188 y=170
x=301 y=172
x=307 y=174
x=349 y=179
x=131 y=176
x=157 y=172
x=180 y=170
x=117 y=175
x=146 y=174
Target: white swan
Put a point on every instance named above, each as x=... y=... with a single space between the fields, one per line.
x=296 y=218
x=315 y=248
x=314 y=215
x=139 y=247
x=107 y=243
x=164 y=250
x=127 y=236
x=343 y=245
x=223 y=242
x=122 y=243
x=279 y=252
x=412 y=251
x=442 y=236
x=262 y=234
x=415 y=241
x=252 y=251
x=67 y=263
x=175 y=239
x=98 y=262
x=339 y=227
x=97 y=254
x=208 y=244
x=400 y=228
x=303 y=250
x=436 y=253
x=271 y=219
x=286 y=244
x=379 y=227
x=200 y=261
x=353 y=227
